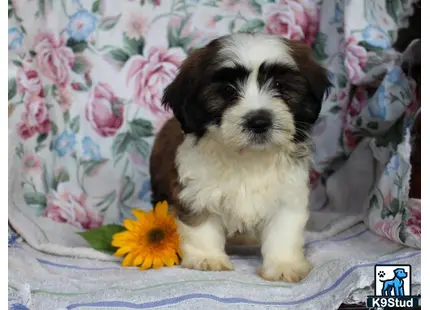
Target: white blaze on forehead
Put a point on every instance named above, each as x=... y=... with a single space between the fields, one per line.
x=252 y=50
x=253 y=95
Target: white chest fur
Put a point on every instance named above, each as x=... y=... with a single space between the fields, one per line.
x=243 y=189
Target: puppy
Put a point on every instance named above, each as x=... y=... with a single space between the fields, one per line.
x=235 y=158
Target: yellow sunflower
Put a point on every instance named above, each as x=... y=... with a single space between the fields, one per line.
x=150 y=241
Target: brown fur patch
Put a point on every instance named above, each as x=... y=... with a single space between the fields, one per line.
x=315 y=74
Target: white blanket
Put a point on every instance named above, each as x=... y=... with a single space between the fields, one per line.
x=343 y=272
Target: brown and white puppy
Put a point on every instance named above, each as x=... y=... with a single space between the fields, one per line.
x=235 y=159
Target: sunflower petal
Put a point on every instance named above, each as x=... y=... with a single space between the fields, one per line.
x=140 y=214
x=129 y=259
x=147 y=263
x=121 y=251
x=158 y=263
x=161 y=209
x=168 y=261
x=131 y=225
x=138 y=260
x=122 y=235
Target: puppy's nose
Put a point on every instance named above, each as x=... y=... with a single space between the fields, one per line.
x=259 y=121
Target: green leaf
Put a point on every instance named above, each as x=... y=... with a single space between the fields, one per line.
x=142 y=147
x=76 y=46
x=127 y=190
x=17 y=63
x=101 y=238
x=9 y=13
x=61 y=176
x=253 y=25
x=107 y=200
x=217 y=18
x=359 y=121
x=42 y=137
x=75 y=124
x=118 y=54
x=96 y=6
x=256 y=5
x=80 y=65
x=393 y=8
x=342 y=80
x=32 y=53
x=41 y=7
x=386 y=213
x=371 y=48
x=12 y=88
x=90 y=166
x=172 y=37
x=373 y=202
x=232 y=25
x=108 y=23
x=318 y=47
x=120 y=143
x=54 y=90
x=39 y=147
x=211 y=3
x=66 y=116
x=373 y=125
x=132 y=46
x=392 y=35
x=45 y=178
x=141 y=128
x=395 y=206
x=35 y=198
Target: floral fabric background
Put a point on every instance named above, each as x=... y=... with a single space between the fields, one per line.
x=86 y=78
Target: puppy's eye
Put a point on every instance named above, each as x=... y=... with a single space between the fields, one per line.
x=228 y=91
x=279 y=85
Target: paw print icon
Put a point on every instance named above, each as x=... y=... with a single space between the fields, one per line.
x=381 y=274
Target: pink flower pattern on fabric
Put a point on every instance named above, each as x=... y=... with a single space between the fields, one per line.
x=66 y=206
x=150 y=75
x=355 y=60
x=35 y=118
x=104 y=111
x=54 y=58
x=295 y=20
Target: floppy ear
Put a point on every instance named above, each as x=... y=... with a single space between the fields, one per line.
x=316 y=76
x=181 y=95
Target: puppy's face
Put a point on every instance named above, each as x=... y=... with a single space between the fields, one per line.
x=249 y=91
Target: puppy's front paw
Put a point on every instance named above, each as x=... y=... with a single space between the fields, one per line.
x=209 y=263
x=286 y=271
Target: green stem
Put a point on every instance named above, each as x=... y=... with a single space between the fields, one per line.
x=80 y=179
x=164 y=15
x=63 y=6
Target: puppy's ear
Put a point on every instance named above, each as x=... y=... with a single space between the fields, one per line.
x=316 y=77
x=181 y=95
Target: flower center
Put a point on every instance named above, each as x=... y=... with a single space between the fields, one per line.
x=155 y=235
